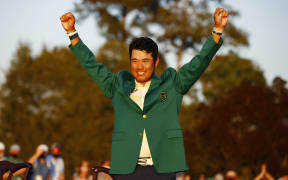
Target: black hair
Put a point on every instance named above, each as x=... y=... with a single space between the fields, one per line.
x=144 y=44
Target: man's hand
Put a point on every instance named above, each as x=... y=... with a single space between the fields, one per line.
x=38 y=152
x=68 y=22
x=220 y=19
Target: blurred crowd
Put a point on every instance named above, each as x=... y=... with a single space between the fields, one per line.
x=51 y=166
x=45 y=166
x=232 y=175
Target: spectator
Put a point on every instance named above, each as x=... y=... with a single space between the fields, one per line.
x=202 y=177
x=104 y=176
x=180 y=176
x=2 y=151
x=187 y=177
x=83 y=172
x=264 y=174
x=219 y=176
x=56 y=162
x=41 y=167
x=14 y=152
x=231 y=175
x=284 y=177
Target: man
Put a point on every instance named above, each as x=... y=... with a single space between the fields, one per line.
x=147 y=140
x=13 y=157
x=231 y=175
x=264 y=174
x=14 y=152
x=41 y=167
x=56 y=163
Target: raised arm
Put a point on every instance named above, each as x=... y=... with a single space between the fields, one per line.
x=99 y=73
x=191 y=72
x=220 y=21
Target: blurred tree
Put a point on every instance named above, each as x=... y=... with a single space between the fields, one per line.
x=227 y=72
x=178 y=25
x=243 y=129
x=223 y=74
x=49 y=98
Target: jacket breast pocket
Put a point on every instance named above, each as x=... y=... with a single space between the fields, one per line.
x=174 y=134
x=118 y=136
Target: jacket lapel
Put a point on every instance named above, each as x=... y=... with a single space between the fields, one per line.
x=155 y=82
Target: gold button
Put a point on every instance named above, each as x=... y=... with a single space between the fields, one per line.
x=144 y=116
x=140 y=134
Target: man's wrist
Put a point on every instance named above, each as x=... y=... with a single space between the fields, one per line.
x=218 y=29
x=73 y=36
x=70 y=31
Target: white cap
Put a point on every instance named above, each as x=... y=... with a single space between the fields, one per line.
x=219 y=176
x=15 y=147
x=2 y=146
x=44 y=147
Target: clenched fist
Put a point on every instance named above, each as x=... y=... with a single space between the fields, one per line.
x=220 y=18
x=68 y=22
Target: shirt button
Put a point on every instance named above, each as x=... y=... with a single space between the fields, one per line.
x=144 y=116
x=140 y=134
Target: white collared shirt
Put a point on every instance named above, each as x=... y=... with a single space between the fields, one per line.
x=138 y=96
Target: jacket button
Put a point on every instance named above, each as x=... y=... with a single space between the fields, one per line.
x=144 y=116
x=140 y=134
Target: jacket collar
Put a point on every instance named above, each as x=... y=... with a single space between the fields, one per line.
x=154 y=82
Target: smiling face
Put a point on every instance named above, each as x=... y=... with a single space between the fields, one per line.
x=142 y=65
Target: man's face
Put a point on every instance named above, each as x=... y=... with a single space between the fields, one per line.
x=56 y=151
x=14 y=153
x=142 y=65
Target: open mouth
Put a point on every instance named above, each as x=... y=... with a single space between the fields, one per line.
x=140 y=73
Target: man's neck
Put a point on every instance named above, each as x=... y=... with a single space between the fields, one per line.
x=142 y=83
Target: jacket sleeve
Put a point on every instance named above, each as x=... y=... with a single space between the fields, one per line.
x=100 y=74
x=189 y=73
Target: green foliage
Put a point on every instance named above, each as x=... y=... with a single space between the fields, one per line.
x=227 y=72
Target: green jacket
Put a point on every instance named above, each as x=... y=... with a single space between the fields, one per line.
x=160 y=113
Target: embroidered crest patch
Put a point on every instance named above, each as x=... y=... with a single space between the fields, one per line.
x=163 y=96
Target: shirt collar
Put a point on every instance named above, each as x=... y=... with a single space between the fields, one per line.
x=139 y=85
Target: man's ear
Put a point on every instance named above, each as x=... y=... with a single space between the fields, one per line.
x=157 y=62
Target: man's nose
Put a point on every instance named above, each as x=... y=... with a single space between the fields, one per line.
x=140 y=65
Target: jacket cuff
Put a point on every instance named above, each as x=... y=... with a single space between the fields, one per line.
x=76 y=46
